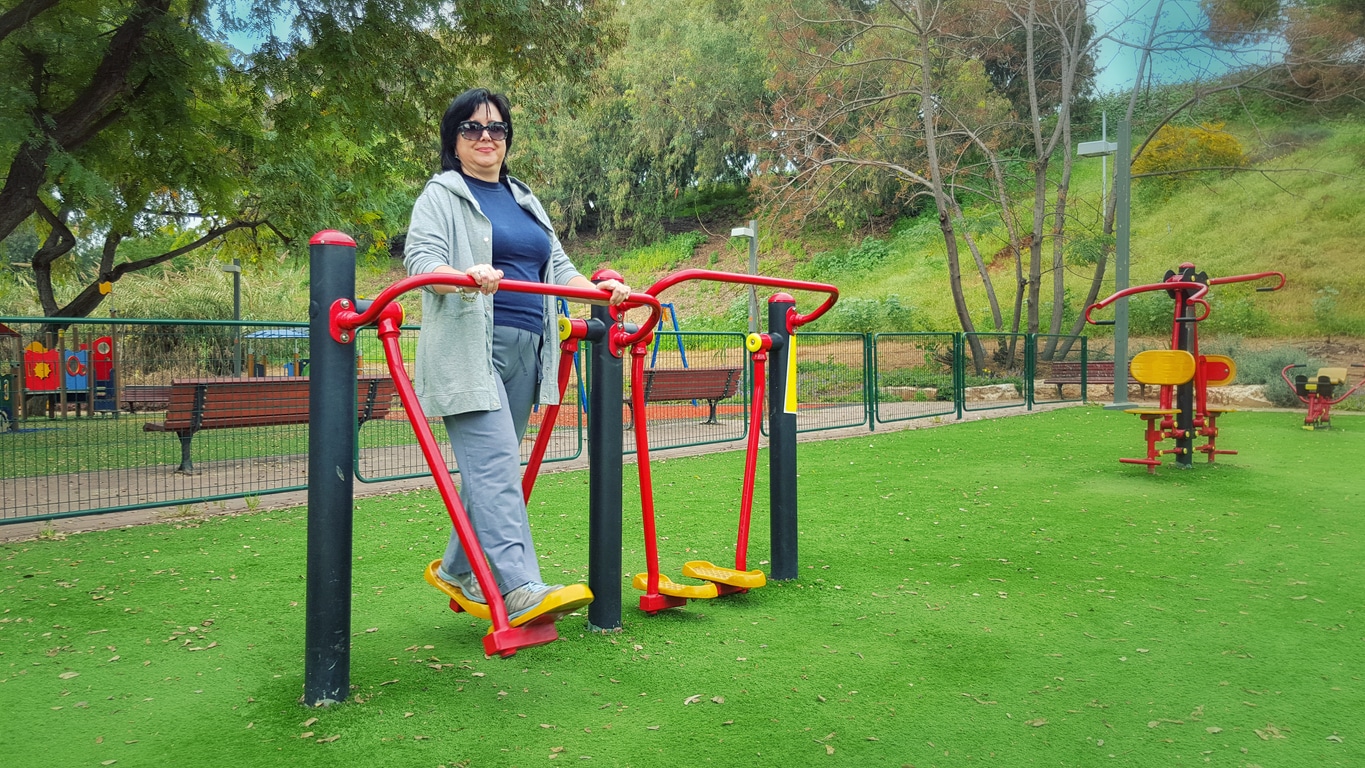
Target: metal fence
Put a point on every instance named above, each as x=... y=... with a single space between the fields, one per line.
x=104 y=415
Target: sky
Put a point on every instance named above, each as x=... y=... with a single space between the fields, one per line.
x=1130 y=21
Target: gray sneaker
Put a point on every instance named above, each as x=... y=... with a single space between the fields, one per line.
x=526 y=597
x=467 y=583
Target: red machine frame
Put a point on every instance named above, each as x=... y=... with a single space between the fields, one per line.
x=1184 y=412
x=660 y=592
x=503 y=638
x=1317 y=395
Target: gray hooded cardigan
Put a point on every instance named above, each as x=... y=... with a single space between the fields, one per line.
x=455 y=347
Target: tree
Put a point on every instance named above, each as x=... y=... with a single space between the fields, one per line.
x=1297 y=51
x=864 y=91
x=130 y=130
x=666 y=115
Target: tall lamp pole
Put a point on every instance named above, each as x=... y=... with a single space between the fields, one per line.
x=1122 y=207
x=751 y=232
x=236 y=270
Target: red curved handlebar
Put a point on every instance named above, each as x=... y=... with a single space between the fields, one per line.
x=588 y=295
x=1247 y=278
x=797 y=320
x=1197 y=297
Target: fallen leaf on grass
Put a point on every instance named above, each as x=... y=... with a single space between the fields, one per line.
x=829 y=749
x=389 y=682
x=651 y=727
x=306 y=735
x=329 y=739
x=68 y=675
x=420 y=738
x=732 y=722
x=692 y=699
x=1214 y=729
x=1335 y=738
x=108 y=762
x=309 y=721
x=718 y=699
x=1037 y=722
x=407 y=714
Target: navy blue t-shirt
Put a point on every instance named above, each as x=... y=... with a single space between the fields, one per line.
x=521 y=249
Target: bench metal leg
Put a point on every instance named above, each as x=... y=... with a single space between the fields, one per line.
x=711 y=418
x=186 y=466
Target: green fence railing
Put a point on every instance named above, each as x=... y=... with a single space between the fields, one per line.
x=87 y=425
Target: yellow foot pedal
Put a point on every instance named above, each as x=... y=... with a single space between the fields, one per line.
x=555 y=606
x=457 y=598
x=700 y=569
x=673 y=589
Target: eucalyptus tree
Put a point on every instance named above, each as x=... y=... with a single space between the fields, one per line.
x=666 y=115
x=132 y=130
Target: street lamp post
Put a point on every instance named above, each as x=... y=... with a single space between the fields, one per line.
x=751 y=232
x=236 y=269
x=1122 y=207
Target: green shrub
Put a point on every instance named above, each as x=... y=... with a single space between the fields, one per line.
x=840 y=264
x=1264 y=366
x=888 y=315
x=1237 y=313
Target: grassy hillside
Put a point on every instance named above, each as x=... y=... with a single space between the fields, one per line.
x=1306 y=223
x=1301 y=212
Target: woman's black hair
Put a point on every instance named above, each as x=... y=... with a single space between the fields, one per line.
x=463 y=108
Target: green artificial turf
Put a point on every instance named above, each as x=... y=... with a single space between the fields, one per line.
x=1000 y=592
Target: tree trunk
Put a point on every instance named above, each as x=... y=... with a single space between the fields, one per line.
x=79 y=121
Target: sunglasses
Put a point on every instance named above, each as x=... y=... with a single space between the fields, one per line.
x=473 y=131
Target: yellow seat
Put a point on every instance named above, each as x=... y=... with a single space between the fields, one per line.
x=1162 y=367
x=701 y=569
x=1213 y=364
x=555 y=605
x=1152 y=411
x=673 y=589
x=1334 y=375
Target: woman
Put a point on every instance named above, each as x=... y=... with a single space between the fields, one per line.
x=484 y=357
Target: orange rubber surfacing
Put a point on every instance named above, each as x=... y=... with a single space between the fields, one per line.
x=554 y=607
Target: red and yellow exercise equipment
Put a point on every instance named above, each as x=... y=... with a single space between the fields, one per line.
x=1182 y=372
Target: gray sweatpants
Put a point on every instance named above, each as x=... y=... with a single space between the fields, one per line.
x=487 y=452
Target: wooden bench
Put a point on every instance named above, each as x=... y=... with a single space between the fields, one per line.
x=144 y=397
x=227 y=403
x=670 y=384
x=1096 y=372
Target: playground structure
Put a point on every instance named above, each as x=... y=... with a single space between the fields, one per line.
x=332 y=441
x=70 y=373
x=1182 y=372
x=661 y=592
x=1319 y=393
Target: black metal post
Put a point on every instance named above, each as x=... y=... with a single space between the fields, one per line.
x=331 y=479
x=605 y=450
x=1184 y=393
x=781 y=443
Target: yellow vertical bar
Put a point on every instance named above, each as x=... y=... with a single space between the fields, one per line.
x=789 y=404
